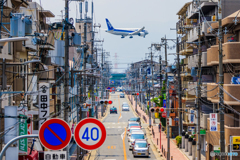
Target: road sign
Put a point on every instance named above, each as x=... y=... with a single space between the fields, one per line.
x=55 y=134
x=90 y=134
x=23 y=128
x=164 y=114
x=52 y=155
x=236 y=146
x=236 y=139
x=213 y=121
x=108 y=88
x=113 y=88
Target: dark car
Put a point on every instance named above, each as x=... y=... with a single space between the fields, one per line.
x=135 y=119
x=113 y=110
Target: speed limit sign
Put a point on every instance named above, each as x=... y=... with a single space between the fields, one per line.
x=90 y=134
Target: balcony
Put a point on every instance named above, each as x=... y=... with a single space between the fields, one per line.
x=233 y=89
x=213 y=137
x=205 y=7
x=212 y=93
x=192 y=91
x=187 y=49
x=212 y=56
x=231 y=50
x=193 y=34
x=193 y=60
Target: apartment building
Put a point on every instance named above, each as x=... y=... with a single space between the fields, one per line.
x=231 y=63
x=191 y=15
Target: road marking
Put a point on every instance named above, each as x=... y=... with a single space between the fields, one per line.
x=122 y=135
x=111 y=147
x=113 y=123
x=119 y=126
x=124 y=148
x=120 y=116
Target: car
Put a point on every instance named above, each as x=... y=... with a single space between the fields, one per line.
x=131 y=124
x=113 y=110
x=133 y=128
x=122 y=95
x=140 y=148
x=124 y=103
x=125 y=107
x=135 y=135
x=135 y=119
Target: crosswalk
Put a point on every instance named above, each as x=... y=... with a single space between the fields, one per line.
x=115 y=125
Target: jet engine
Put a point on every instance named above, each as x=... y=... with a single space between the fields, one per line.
x=141 y=34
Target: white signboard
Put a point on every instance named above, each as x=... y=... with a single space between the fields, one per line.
x=43 y=102
x=54 y=155
x=213 y=121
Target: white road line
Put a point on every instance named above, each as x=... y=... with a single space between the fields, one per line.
x=119 y=126
x=113 y=123
x=122 y=134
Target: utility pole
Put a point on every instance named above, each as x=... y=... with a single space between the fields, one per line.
x=66 y=89
x=180 y=128
x=160 y=72
x=221 y=108
x=166 y=75
x=102 y=83
x=199 y=90
x=168 y=134
x=152 y=78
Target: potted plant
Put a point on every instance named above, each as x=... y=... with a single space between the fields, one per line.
x=179 y=140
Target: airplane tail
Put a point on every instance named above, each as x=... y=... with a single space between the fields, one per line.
x=110 y=27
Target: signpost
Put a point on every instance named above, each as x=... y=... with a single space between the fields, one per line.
x=236 y=143
x=213 y=121
x=23 y=143
x=55 y=134
x=90 y=134
x=43 y=102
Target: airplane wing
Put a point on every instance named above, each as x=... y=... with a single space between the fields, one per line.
x=136 y=32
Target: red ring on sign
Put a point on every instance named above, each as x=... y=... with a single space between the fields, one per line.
x=79 y=126
x=45 y=125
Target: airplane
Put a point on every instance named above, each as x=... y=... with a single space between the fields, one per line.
x=126 y=31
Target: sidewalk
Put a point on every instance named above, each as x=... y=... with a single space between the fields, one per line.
x=175 y=152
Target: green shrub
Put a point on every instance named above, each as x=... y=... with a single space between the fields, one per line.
x=179 y=139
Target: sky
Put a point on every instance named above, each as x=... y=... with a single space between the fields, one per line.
x=157 y=16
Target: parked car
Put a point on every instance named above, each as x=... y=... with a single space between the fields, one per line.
x=124 y=103
x=113 y=110
x=130 y=124
x=135 y=119
x=140 y=148
x=133 y=128
x=125 y=107
x=135 y=135
x=122 y=95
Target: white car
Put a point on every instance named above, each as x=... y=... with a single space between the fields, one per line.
x=125 y=107
x=135 y=135
x=132 y=129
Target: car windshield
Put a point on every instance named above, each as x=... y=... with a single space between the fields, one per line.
x=133 y=124
x=137 y=136
x=133 y=119
x=141 y=145
x=125 y=106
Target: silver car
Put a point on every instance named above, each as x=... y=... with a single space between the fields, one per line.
x=140 y=148
x=135 y=136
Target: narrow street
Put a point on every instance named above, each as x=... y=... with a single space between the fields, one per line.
x=116 y=145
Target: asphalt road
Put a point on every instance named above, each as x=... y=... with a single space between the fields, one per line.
x=116 y=145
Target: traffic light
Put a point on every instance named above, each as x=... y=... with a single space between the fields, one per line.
x=137 y=94
x=102 y=101
x=152 y=109
x=162 y=109
x=157 y=109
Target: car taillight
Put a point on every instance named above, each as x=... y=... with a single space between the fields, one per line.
x=128 y=130
x=111 y=110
